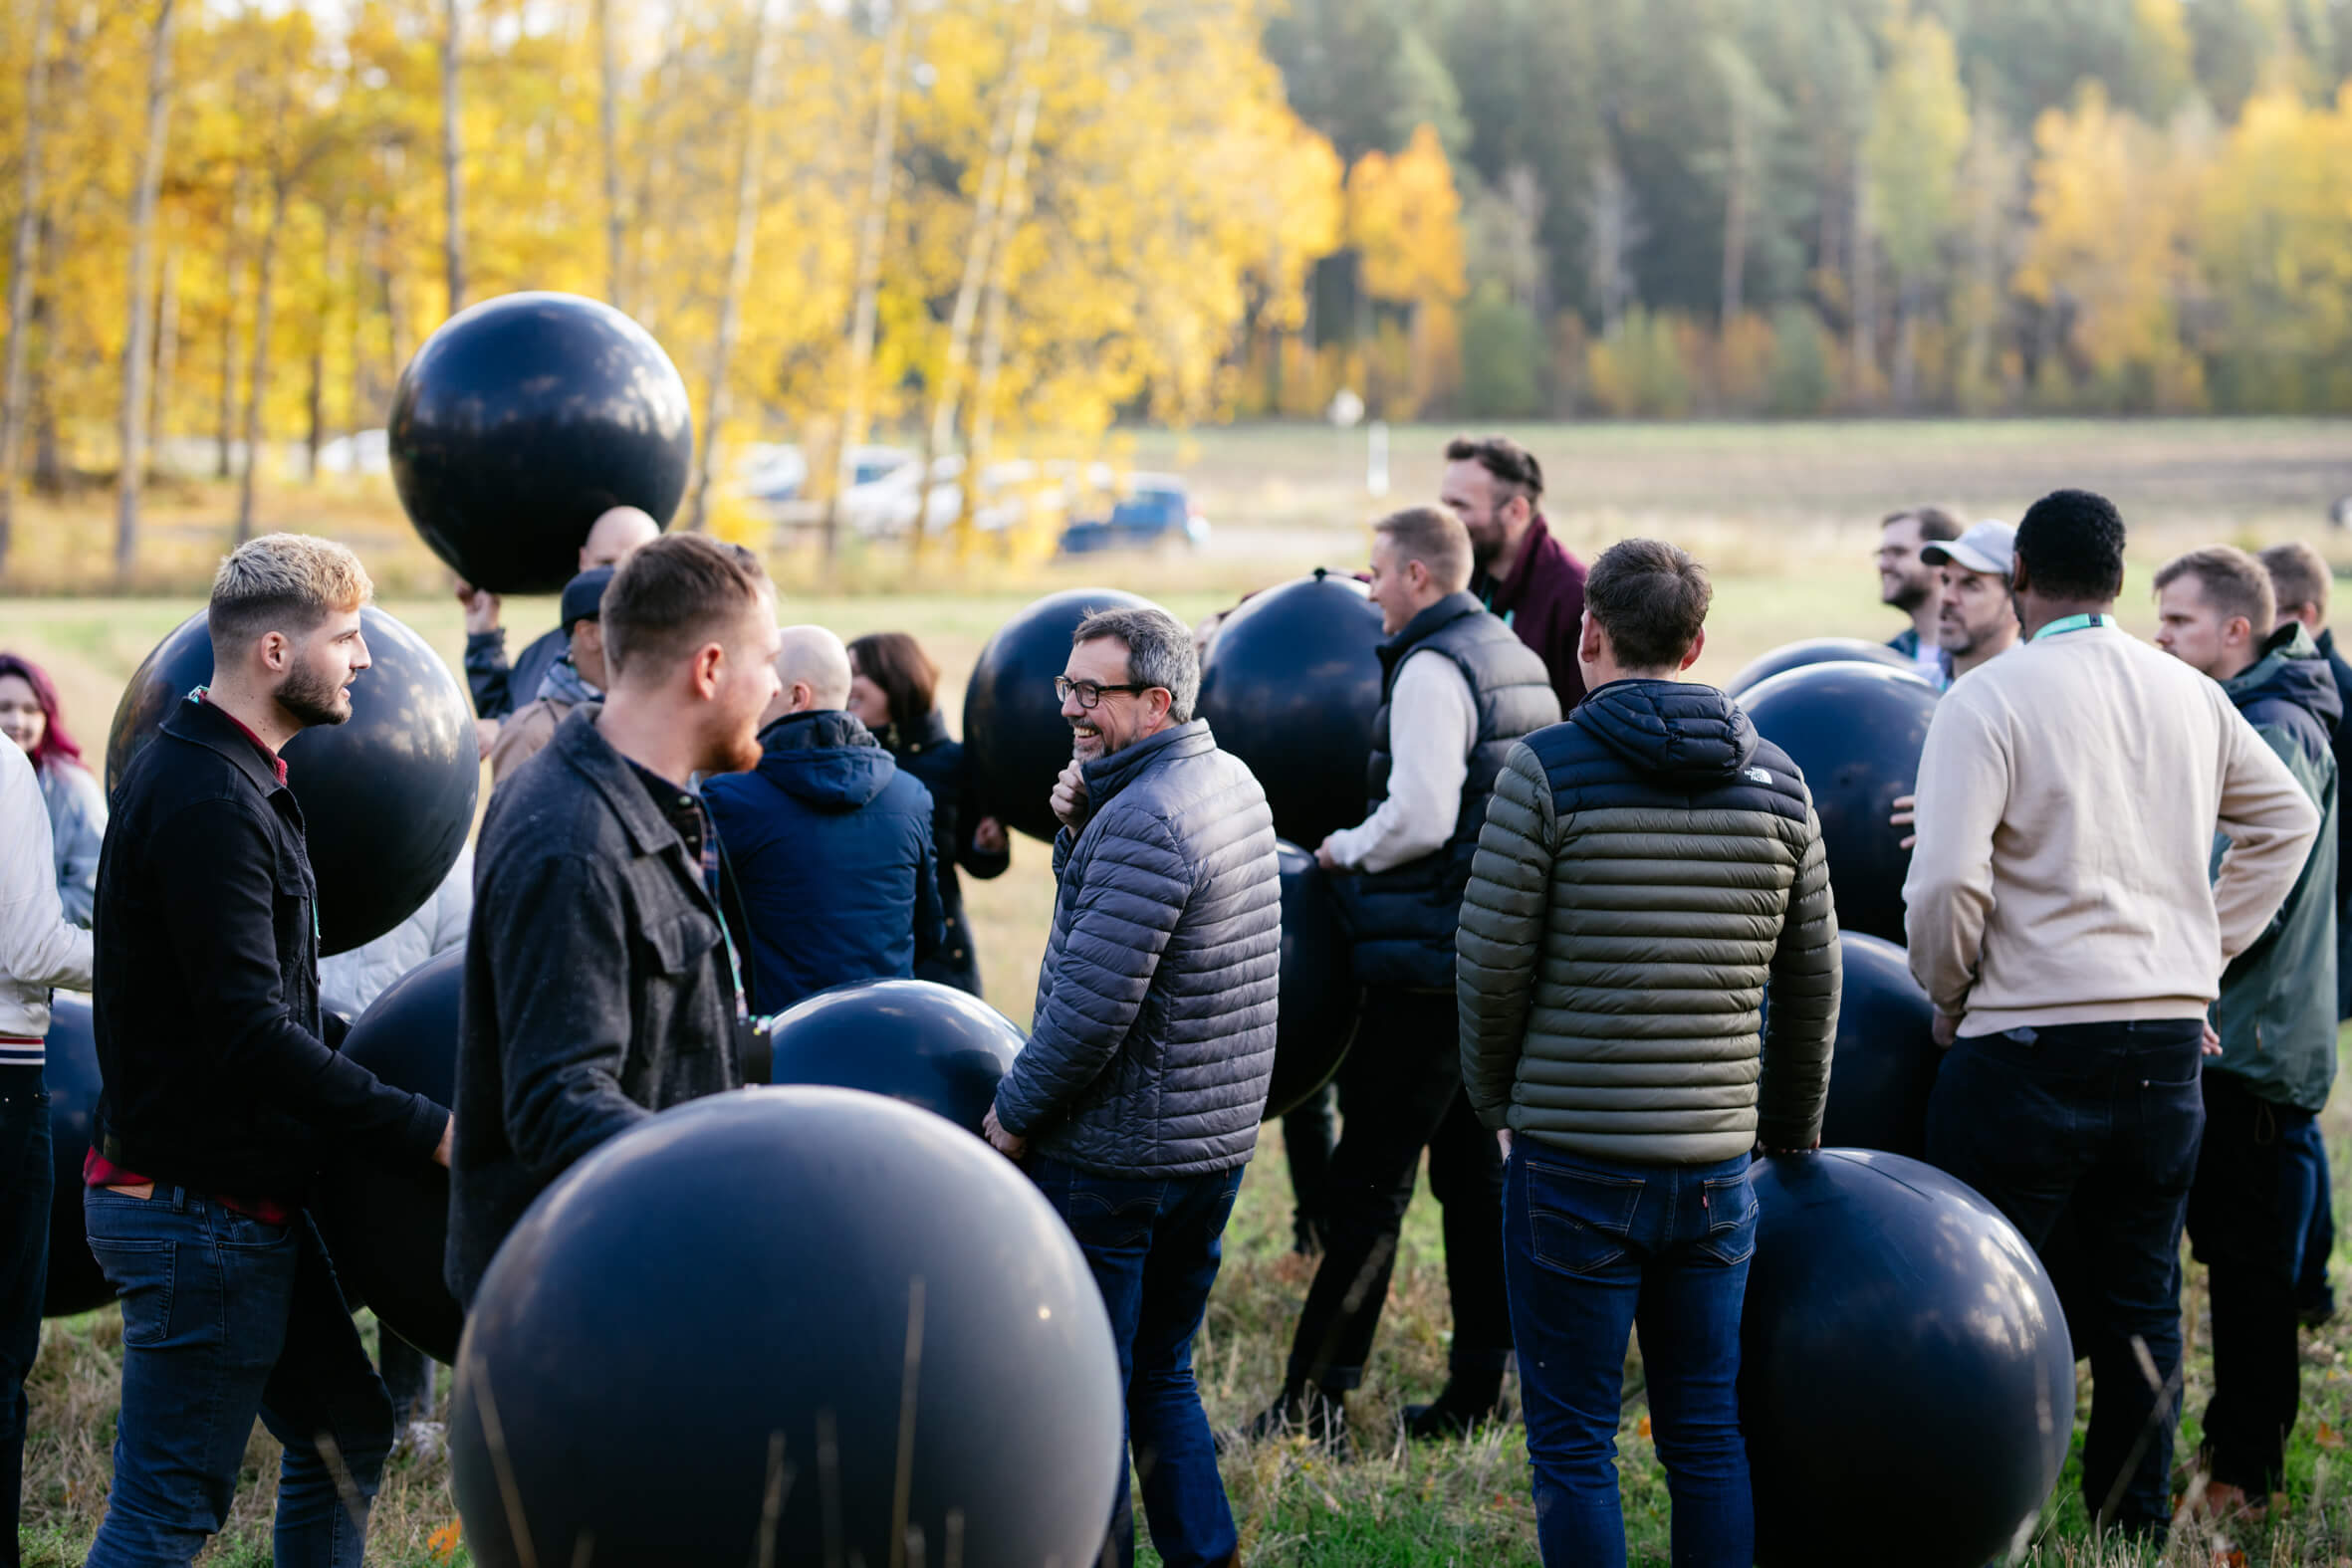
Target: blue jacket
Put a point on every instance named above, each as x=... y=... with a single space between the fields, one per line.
x=829 y=843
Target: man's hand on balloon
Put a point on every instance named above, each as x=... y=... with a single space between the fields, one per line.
x=1006 y=1144
x=989 y=836
x=481 y=609
x=1323 y=856
x=1906 y=814
x=1070 y=796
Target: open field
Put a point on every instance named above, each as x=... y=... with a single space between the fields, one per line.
x=1784 y=513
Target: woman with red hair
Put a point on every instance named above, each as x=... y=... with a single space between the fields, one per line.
x=76 y=804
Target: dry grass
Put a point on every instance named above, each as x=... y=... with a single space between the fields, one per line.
x=1783 y=514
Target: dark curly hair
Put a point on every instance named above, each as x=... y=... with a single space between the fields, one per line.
x=2070 y=544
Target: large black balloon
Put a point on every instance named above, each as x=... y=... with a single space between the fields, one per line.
x=1317 y=1020
x=1814 y=650
x=1905 y=1375
x=521 y=420
x=1291 y=687
x=386 y=797
x=1884 y=1067
x=72 y=1079
x=388 y=1228
x=1855 y=732
x=813 y=1302
x=926 y=1045
x=1013 y=733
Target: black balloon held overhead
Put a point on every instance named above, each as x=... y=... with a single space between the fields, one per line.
x=1905 y=1375
x=1291 y=687
x=71 y=1076
x=386 y=797
x=1855 y=732
x=919 y=1042
x=1317 y=1020
x=388 y=1228
x=1884 y=1066
x=1013 y=733
x=801 y=1325
x=1814 y=650
x=522 y=420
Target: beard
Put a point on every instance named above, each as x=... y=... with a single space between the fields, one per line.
x=314 y=698
x=1908 y=597
x=1088 y=740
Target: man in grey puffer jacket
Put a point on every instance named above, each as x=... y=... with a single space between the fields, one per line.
x=1138 y=1096
x=1647 y=872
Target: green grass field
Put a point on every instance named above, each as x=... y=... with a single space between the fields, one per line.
x=1785 y=517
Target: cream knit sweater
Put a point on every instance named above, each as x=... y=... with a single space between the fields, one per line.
x=2068 y=799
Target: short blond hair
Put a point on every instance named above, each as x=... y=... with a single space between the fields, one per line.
x=1435 y=538
x=286 y=582
x=2299 y=575
x=2231 y=582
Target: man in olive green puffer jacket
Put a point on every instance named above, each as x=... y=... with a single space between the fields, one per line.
x=1648 y=871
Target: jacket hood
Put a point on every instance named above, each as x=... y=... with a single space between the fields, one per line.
x=2293 y=669
x=1670 y=728
x=825 y=758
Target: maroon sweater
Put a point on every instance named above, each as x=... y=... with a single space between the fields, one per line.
x=1543 y=601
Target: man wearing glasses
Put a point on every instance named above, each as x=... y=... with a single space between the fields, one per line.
x=1135 y=1103
x=1457 y=689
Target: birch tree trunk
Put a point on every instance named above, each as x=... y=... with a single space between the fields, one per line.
x=22 y=257
x=608 y=128
x=879 y=177
x=1013 y=206
x=137 y=343
x=452 y=159
x=739 y=266
x=233 y=272
x=167 y=358
x=258 y=377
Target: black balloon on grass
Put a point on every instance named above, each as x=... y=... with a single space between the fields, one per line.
x=1905 y=1374
x=523 y=420
x=1290 y=686
x=1013 y=733
x=926 y=1045
x=1855 y=732
x=388 y=1227
x=1884 y=1067
x=69 y=1074
x=799 y=1326
x=1317 y=1020
x=386 y=797
x=1814 y=650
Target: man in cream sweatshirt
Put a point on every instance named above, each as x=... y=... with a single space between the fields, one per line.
x=2060 y=918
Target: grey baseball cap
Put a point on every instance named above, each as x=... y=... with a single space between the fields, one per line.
x=1987 y=547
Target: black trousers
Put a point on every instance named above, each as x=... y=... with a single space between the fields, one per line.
x=2247 y=1211
x=1402 y=1091
x=1310 y=1130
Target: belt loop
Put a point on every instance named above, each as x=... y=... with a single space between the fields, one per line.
x=179 y=1199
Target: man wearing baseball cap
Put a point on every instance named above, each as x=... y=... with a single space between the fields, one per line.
x=577 y=677
x=1976 y=620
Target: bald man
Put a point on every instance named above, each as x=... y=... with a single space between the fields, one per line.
x=828 y=842
x=617 y=535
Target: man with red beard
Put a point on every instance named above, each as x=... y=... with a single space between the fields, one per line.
x=601 y=981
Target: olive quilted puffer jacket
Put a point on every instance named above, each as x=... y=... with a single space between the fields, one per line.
x=1648 y=869
x=1154 y=1036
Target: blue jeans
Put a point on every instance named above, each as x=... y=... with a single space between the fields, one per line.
x=224 y=1318
x=2102 y=1121
x=1154 y=1248
x=1590 y=1250
x=2315 y=1200
x=24 y=1270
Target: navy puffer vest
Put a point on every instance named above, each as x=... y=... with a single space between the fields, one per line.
x=1403 y=919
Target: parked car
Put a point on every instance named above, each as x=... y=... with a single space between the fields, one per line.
x=1157 y=510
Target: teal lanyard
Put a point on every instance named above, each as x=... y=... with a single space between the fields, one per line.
x=2067 y=624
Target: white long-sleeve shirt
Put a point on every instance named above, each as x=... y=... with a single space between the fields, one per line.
x=1432 y=724
x=39 y=947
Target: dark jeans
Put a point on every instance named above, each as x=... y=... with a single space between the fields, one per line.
x=1154 y=1248
x=2316 y=1246
x=1308 y=1129
x=2247 y=1215
x=24 y=1270
x=1402 y=1087
x=2106 y=1116
x=1592 y=1249
x=225 y=1318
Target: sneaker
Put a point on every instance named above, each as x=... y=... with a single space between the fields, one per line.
x=1454 y=1414
x=1317 y=1413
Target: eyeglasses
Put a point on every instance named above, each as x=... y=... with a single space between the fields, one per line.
x=1091 y=695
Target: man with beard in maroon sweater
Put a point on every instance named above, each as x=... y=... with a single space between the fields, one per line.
x=1522 y=573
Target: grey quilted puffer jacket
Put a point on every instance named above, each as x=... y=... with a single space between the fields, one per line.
x=1154 y=1041
x=1647 y=871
